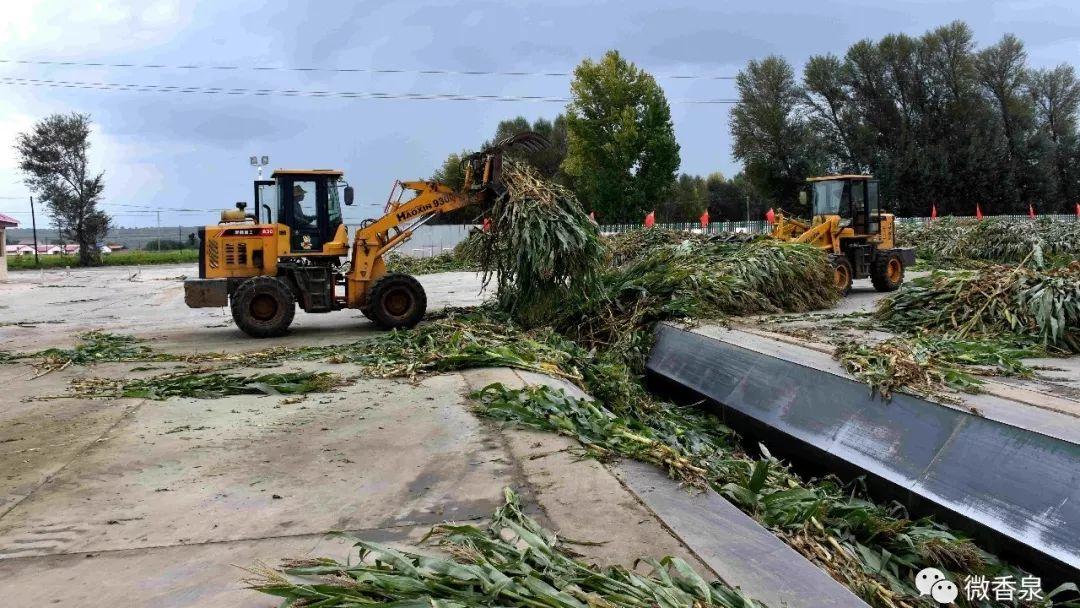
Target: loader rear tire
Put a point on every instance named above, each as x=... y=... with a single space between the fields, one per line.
x=396 y=301
x=842 y=273
x=263 y=307
x=888 y=272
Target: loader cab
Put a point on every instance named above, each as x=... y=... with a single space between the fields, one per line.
x=852 y=197
x=308 y=202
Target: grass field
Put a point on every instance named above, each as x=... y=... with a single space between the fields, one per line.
x=119 y=258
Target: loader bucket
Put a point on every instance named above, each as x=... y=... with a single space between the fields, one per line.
x=526 y=140
x=483 y=168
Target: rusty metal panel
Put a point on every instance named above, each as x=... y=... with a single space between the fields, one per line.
x=206 y=293
x=1018 y=488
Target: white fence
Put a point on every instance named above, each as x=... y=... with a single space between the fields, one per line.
x=751 y=227
x=1066 y=217
x=763 y=227
x=432 y=240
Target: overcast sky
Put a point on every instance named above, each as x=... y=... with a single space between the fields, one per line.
x=190 y=150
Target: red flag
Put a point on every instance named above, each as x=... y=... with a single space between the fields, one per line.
x=592 y=216
x=1078 y=210
x=650 y=219
x=1031 y=211
x=770 y=216
x=487 y=225
x=933 y=212
x=978 y=212
x=705 y=220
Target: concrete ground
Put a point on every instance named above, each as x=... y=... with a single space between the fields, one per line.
x=135 y=502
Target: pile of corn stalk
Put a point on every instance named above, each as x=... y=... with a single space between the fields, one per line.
x=443 y=262
x=995 y=240
x=1042 y=305
x=541 y=246
x=512 y=561
x=695 y=279
x=203 y=384
x=638 y=244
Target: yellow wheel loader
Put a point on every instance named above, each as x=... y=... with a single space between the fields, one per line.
x=293 y=249
x=848 y=223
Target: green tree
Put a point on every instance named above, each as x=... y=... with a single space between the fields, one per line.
x=940 y=122
x=1002 y=74
x=1056 y=97
x=622 y=156
x=53 y=159
x=830 y=113
x=771 y=135
x=689 y=199
x=452 y=171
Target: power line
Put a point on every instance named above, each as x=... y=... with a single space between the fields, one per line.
x=161 y=66
x=154 y=88
x=131 y=213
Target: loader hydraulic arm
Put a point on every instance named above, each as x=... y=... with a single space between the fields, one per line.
x=375 y=238
x=384 y=234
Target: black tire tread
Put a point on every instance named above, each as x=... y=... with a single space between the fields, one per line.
x=373 y=311
x=879 y=273
x=841 y=259
x=249 y=289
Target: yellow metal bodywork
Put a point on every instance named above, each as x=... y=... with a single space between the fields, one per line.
x=246 y=249
x=384 y=234
x=827 y=232
x=242 y=250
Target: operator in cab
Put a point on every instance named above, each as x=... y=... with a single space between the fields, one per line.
x=298 y=210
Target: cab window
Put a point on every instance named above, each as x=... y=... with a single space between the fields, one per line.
x=873 y=207
x=829 y=198
x=305 y=203
x=267 y=202
x=333 y=207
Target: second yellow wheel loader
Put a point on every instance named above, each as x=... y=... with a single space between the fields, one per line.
x=292 y=248
x=848 y=224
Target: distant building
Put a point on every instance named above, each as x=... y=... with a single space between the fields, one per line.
x=6 y=222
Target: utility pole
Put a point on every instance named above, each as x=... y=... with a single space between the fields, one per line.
x=159 y=230
x=33 y=222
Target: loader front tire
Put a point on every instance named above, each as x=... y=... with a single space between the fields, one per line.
x=263 y=307
x=396 y=300
x=842 y=273
x=888 y=272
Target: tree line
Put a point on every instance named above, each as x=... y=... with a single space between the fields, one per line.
x=615 y=148
x=938 y=121
x=935 y=119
